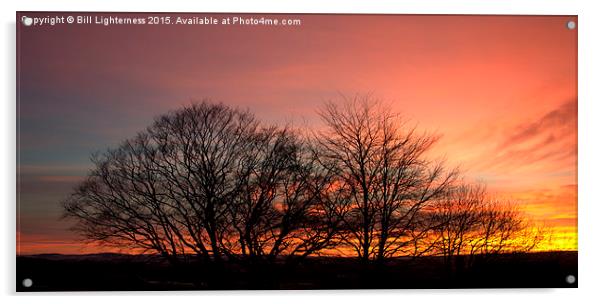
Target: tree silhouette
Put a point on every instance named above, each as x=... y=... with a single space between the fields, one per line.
x=469 y=223
x=214 y=182
x=382 y=167
x=283 y=206
x=208 y=180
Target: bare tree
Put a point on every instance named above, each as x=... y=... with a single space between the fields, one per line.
x=202 y=179
x=382 y=166
x=470 y=223
x=283 y=207
x=166 y=190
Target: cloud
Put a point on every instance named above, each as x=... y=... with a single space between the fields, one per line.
x=560 y=120
x=546 y=144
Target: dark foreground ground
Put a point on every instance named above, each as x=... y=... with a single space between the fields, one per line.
x=125 y=272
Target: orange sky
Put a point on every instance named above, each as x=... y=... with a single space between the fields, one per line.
x=502 y=90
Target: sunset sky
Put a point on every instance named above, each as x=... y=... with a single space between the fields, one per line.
x=502 y=90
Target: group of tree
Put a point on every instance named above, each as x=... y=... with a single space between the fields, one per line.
x=214 y=182
x=471 y=225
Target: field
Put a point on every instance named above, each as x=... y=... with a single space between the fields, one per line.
x=101 y=272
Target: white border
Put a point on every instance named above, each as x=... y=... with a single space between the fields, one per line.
x=590 y=99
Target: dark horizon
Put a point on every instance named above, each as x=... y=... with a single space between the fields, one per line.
x=531 y=270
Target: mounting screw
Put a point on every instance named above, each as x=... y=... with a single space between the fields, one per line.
x=27 y=283
x=27 y=21
x=571 y=25
x=571 y=279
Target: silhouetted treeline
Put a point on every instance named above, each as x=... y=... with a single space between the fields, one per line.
x=213 y=182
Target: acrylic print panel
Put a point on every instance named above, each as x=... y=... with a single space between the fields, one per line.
x=172 y=151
